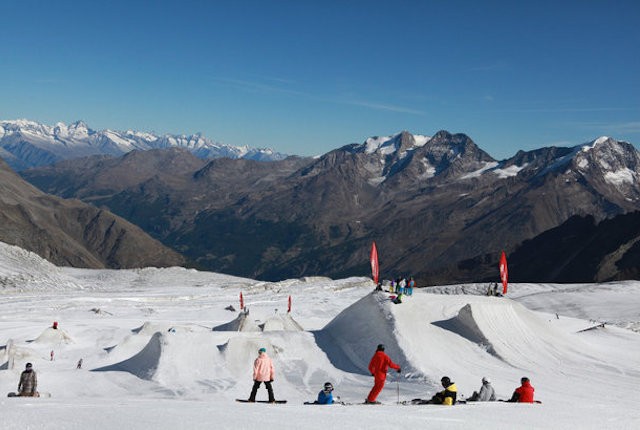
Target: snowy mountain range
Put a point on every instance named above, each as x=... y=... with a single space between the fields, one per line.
x=25 y=144
x=439 y=207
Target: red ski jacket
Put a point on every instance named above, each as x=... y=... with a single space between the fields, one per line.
x=525 y=393
x=380 y=363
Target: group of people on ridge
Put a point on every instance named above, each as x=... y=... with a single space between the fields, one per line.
x=402 y=286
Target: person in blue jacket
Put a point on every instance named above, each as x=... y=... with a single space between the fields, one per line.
x=325 y=397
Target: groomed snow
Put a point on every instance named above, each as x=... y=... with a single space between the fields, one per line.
x=152 y=360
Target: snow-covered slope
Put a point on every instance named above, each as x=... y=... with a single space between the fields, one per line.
x=149 y=352
x=29 y=143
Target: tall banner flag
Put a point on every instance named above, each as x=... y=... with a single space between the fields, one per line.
x=504 y=273
x=374 y=263
x=241 y=301
x=289 y=305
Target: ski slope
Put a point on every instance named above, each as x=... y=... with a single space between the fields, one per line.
x=161 y=350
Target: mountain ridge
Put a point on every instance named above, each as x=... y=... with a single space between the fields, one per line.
x=26 y=144
x=440 y=208
x=73 y=233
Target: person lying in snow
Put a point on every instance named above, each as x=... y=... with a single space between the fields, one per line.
x=397 y=299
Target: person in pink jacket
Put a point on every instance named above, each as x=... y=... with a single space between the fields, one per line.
x=262 y=372
x=378 y=366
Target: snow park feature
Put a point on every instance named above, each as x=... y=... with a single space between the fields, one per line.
x=165 y=353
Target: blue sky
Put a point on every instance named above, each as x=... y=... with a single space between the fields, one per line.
x=305 y=77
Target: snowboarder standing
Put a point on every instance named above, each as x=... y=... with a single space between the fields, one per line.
x=378 y=366
x=262 y=372
x=524 y=393
x=486 y=393
x=28 y=382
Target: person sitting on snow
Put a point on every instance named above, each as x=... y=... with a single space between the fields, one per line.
x=524 y=393
x=28 y=382
x=448 y=395
x=486 y=393
x=325 y=396
x=397 y=299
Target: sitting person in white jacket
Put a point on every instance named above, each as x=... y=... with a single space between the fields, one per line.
x=486 y=393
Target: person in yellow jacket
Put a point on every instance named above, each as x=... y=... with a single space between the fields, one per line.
x=448 y=395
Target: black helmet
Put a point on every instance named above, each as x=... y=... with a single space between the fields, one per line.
x=445 y=381
x=381 y=347
x=328 y=386
x=524 y=379
x=29 y=366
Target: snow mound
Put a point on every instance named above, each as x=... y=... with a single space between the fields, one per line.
x=243 y=323
x=144 y=364
x=351 y=338
x=239 y=352
x=464 y=324
x=240 y=323
x=52 y=336
x=281 y=323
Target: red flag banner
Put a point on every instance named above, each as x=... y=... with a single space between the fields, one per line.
x=504 y=272
x=374 y=263
x=241 y=301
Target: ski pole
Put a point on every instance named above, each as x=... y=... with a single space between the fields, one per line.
x=398 y=390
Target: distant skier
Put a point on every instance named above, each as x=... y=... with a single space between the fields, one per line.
x=524 y=393
x=410 y=286
x=325 y=396
x=397 y=299
x=79 y=365
x=378 y=366
x=401 y=284
x=28 y=382
x=262 y=372
x=448 y=395
x=486 y=393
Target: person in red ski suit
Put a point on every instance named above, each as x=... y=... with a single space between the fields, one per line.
x=524 y=393
x=378 y=366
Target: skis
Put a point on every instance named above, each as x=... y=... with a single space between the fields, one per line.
x=277 y=402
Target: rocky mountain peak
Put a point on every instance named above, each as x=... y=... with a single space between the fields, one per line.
x=613 y=162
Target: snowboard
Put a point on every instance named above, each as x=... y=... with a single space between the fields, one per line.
x=41 y=394
x=278 y=402
x=535 y=401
